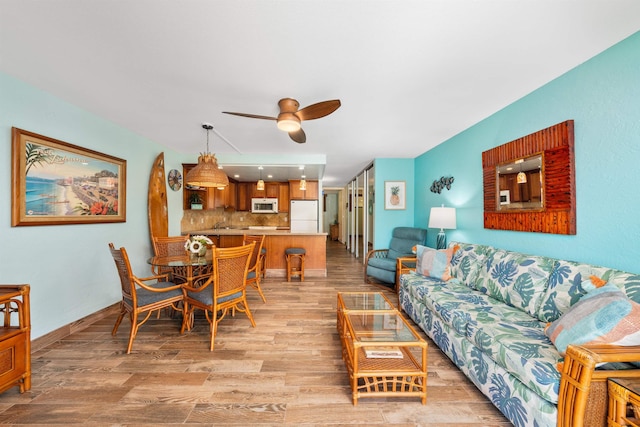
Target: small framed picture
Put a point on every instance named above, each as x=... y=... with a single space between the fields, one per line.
x=395 y=195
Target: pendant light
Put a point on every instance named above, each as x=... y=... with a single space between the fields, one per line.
x=521 y=178
x=303 y=183
x=260 y=185
x=207 y=173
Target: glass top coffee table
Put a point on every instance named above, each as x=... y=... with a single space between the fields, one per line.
x=383 y=353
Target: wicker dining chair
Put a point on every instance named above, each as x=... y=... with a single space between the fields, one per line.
x=226 y=291
x=141 y=295
x=168 y=246
x=255 y=264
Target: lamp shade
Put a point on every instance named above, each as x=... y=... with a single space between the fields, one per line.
x=206 y=173
x=441 y=217
x=521 y=178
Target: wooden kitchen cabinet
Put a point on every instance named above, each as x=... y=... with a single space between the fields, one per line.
x=277 y=190
x=283 y=197
x=243 y=199
x=225 y=198
x=230 y=241
x=311 y=193
x=15 y=338
x=255 y=193
x=272 y=189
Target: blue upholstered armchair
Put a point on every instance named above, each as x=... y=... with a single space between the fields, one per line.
x=382 y=264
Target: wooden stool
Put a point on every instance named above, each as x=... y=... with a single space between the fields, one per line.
x=292 y=254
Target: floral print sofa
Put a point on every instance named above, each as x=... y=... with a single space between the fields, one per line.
x=489 y=319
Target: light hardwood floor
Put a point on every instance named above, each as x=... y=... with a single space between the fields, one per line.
x=286 y=371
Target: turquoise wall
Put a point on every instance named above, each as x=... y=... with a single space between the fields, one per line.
x=69 y=267
x=602 y=96
x=386 y=220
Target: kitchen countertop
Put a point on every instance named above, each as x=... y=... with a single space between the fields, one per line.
x=234 y=231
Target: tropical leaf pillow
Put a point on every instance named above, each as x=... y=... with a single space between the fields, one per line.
x=434 y=263
x=604 y=315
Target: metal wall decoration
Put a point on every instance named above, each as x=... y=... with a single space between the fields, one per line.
x=443 y=182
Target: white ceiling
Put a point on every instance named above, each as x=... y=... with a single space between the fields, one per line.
x=410 y=73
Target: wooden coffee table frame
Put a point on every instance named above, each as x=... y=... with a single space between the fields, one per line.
x=381 y=377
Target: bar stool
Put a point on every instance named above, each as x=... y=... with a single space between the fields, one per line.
x=292 y=254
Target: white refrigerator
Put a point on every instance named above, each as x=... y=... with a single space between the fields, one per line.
x=304 y=216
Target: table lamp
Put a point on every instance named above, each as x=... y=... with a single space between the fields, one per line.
x=442 y=218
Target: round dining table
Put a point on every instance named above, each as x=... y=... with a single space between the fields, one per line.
x=190 y=270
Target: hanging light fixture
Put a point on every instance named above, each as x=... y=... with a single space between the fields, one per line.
x=303 y=182
x=260 y=185
x=521 y=178
x=207 y=173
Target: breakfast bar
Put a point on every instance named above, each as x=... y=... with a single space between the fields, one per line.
x=277 y=239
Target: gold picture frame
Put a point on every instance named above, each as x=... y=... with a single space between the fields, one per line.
x=57 y=183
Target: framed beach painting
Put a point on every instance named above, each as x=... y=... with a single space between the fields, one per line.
x=54 y=183
x=395 y=195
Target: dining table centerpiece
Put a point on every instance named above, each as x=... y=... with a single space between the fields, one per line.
x=197 y=245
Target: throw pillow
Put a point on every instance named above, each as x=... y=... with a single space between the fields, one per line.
x=434 y=263
x=604 y=315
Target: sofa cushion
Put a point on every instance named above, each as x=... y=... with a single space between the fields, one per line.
x=565 y=286
x=467 y=261
x=604 y=315
x=383 y=263
x=517 y=279
x=434 y=262
x=520 y=346
x=382 y=269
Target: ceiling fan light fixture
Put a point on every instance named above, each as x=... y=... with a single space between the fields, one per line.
x=288 y=122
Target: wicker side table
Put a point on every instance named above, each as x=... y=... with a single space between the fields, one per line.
x=624 y=402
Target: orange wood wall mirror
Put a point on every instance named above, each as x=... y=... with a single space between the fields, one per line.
x=556 y=211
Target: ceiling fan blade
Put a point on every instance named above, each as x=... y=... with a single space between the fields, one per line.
x=321 y=109
x=298 y=136
x=251 y=116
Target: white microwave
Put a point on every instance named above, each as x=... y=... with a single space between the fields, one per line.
x=268 y=205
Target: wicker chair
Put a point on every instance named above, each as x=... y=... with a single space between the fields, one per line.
x=583 y=399
x=141 y=295
x=226 y=291
x=253 y=275
x=168 y=246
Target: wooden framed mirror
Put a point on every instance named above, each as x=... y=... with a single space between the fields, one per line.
x=529 y=183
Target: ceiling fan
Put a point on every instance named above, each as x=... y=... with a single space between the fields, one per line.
x=290 y=116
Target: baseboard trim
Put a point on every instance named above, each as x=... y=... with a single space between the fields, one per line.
x=66 y=330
